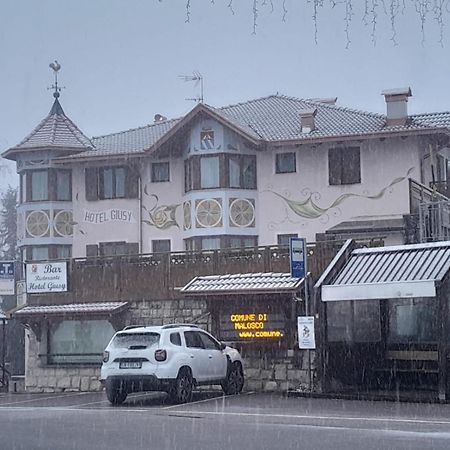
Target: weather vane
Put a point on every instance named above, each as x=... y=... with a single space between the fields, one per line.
x=55 y=66
x=198 y=78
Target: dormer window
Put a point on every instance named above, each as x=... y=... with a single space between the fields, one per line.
x=207 y=140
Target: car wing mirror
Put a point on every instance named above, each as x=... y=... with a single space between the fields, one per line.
x=222 y=346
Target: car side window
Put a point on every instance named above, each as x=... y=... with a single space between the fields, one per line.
x=208 y=342
x=193 y=340
x=175 y=338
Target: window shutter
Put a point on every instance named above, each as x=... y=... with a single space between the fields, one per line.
x=131 y=183
x=334 y=166
x=91 y=184
x=351 y=167
x=92 y=250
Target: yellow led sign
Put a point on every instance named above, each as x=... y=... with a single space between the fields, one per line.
x=252 y=325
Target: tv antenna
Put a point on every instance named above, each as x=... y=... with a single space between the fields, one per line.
x=197 y=78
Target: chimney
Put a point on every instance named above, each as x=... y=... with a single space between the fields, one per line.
x=159 y=118
x=396 y=106
x=307 y=120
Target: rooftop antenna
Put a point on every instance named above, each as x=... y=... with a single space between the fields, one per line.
x=55 y=66
x=198 y=78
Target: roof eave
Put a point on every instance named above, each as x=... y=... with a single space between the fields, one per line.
x=359 y=136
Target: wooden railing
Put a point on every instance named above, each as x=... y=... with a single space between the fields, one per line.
x=159 y=276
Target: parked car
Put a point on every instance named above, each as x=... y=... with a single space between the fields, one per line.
x=170 y=358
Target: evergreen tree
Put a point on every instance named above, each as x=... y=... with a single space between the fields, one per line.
x=8 y=224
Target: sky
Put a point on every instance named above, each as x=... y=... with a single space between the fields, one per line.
x=121 y=60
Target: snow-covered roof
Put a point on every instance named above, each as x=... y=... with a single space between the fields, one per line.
x=401 y=271
x=243 y=282
x=73 y=308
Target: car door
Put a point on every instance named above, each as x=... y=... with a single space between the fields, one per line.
x=217 y=360
x=198 y=357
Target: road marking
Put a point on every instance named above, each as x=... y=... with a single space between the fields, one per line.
x=46 y=398
x=298 y=416
x=238 y=414
x=221 y=396
x=79 y=405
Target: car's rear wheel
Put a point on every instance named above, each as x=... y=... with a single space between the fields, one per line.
x=234 y=382
x=181 y=390
x=115 y=392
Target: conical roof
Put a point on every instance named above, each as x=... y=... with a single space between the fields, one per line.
x=56 y=131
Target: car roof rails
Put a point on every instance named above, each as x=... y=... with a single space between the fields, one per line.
x=130 y=327
x=179 y=325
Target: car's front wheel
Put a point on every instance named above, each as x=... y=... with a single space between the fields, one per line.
x=234 y=382
x=115 y=392
x=181 y=390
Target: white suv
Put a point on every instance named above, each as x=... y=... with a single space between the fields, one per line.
x=170 y=358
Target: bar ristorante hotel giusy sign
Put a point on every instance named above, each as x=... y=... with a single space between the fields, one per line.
x=46 y=277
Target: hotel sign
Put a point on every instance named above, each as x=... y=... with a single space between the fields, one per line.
x=255 y=325
x=46 y=277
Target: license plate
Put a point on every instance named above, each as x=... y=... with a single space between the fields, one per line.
x=130 y=365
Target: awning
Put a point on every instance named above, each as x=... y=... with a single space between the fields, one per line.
x=402 y=271
x=250 y=283
x=71 y=309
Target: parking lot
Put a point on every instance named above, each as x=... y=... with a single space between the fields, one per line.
x=213 y=421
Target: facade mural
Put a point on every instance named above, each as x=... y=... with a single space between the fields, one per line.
x=309 y=208
x=160 y=216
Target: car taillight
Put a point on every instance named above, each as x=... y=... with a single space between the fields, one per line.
x=160 y=355
x=105 y=356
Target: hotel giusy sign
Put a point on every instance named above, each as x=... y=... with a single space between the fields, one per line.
x=46 y=277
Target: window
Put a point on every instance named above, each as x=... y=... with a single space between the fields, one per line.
x=242 y=171
x=48 y=184
x=160 y=172
x=224 y=170
x=39 y=185
x=344 y=165
x=219 y=242
x=207 y=140
x=412 y=321
x=161 y=246
x=39 y=253
x=114 y=249
x=175 y=339
x=283 y=239
x=285 y=162
x=111 y=182
x=63 y=251
x=354 y=321
x=48 y=252
x=208 y=342
x=193 y=339
x=210 y=243
x=209 y=172
x=63 y=185
x=78 y=341
x=242 y=241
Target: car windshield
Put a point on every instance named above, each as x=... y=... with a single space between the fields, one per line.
x=127 y=340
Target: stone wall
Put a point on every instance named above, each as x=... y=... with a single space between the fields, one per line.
x=42 y=378
x=277 y=369
x=268 y=369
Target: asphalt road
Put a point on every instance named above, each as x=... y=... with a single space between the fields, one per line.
x=249 y=421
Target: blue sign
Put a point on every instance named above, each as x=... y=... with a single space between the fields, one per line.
x=7 y=278
x=297 y=253
x=7 y=269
